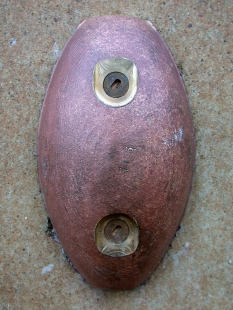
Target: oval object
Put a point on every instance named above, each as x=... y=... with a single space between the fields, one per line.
x=116 y=175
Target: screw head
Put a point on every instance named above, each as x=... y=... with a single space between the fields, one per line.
x=116 y=84
x=116 y=231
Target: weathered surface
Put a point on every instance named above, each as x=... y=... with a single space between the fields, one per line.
x=198 y=266
x=95 y=160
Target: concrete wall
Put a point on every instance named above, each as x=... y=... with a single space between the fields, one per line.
x=196 y=273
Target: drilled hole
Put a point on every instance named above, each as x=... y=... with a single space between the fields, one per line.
x=115 y=84
x=117 y=230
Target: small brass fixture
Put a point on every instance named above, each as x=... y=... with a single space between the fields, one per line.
x=117 y=235
x=115 y=81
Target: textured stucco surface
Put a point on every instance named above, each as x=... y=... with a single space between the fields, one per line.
x=196 y=273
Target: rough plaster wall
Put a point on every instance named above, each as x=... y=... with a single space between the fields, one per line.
x=196 y=273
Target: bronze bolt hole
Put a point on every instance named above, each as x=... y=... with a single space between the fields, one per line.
x=117 y=235
x=116 y=84
x=116 y=231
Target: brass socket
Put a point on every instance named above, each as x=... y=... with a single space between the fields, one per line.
x=117 y=235
x=118 y=65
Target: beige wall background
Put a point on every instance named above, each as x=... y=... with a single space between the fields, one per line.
x=197 y=271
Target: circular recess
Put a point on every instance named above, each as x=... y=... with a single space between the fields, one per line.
x=115 y=81
x=117 y=235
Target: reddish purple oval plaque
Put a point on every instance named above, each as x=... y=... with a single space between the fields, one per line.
x=116 y=150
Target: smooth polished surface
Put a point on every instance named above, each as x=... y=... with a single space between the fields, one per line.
x=95 y=160
x=196 y=272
